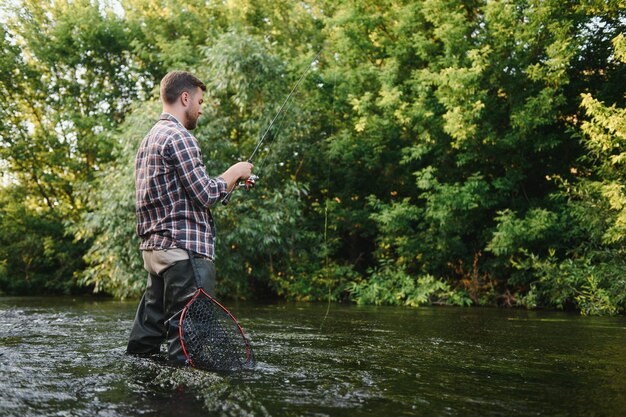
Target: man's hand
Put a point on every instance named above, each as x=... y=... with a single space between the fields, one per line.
x=238 y=171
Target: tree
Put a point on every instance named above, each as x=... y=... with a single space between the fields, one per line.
x=588 y=273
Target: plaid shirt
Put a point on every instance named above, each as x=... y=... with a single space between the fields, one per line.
x=173 y=191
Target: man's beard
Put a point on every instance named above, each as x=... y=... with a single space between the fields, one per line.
x=192 y=120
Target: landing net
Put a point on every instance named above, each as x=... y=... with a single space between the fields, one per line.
x=211 y=337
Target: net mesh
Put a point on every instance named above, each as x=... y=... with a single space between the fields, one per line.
x=212 y=338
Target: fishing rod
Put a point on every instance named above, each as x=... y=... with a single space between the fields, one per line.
x=251 y=181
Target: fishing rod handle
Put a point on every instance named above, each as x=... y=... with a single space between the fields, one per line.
x=247 y=184
x=226 y=198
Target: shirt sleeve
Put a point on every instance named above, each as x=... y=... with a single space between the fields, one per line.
x=187 y=160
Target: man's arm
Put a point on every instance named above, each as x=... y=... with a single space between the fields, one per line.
x=185 y=155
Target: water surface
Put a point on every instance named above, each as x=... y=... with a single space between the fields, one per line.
x=65 y=357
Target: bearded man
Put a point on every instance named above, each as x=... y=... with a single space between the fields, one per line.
x=174 y=222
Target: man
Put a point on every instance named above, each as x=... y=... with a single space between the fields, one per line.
x=173 y=195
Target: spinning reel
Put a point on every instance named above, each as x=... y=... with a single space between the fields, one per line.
x=249 y=183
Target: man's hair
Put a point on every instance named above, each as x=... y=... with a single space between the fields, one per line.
x=176 y=82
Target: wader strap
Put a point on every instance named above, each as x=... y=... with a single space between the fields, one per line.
x=194 y=267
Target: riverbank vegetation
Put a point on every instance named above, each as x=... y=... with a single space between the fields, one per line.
x=440 y=151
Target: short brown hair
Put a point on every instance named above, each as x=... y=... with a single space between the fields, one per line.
x=176 y=82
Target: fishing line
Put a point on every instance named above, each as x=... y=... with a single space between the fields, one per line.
x=279 y=125
x=249 y=183
x=326 y=206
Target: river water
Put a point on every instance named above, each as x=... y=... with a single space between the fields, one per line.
x=65 y=357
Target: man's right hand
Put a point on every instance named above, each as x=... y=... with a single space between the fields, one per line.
x=244 y=169
x=239 y=171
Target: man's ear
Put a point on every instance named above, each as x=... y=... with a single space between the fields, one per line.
x=185 y=98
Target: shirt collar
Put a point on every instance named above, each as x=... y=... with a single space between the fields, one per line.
x=170 y=117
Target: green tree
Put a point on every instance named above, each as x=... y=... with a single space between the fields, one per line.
x=588 y=272
x=114 y=264
x=477 y=106
x=69 y=77
x=436 y=152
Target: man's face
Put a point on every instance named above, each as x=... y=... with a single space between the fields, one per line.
x=194 y=109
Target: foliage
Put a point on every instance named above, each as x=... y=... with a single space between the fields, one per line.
x=37 y=255
x=69 y=76
x=439 y=151
x=589 y=275
x=405 y=290
x=593 y=283
x=114 y=263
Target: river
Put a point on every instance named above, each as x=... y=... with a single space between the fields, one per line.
x=65 y=357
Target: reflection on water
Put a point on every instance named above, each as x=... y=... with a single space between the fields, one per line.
x=65 y=357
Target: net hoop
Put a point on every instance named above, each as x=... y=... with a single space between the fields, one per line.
x=199 y=292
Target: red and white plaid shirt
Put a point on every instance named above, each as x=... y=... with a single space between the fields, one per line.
x=174 y=192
